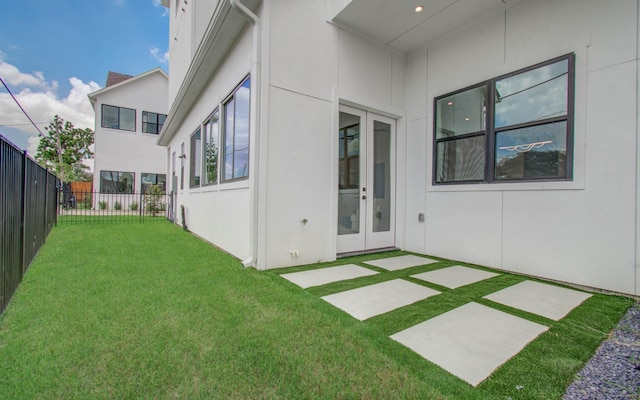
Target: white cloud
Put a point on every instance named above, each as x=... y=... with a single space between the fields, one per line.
x=12 y=75
x=33 y=145
x=158 y=3
x=39 y=98
x=161 y=58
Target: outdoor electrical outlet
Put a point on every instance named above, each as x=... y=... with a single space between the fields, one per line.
x=294 y=253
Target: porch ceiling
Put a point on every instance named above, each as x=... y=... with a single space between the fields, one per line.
x=397 y=24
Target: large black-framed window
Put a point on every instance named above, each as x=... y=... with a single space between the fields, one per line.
x=194 y=160
x=116 y=182
x=118 y=118
x=147 y=180
x=235 y=133
x=152 y=122
x=211 y=128
x=513 y=128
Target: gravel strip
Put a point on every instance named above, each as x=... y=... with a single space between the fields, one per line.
x=614 y=371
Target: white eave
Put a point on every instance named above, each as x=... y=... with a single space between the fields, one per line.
x=397 y=24
x=93 y=96
x=223 y=30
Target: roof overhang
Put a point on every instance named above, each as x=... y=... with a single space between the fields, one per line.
x=223 y=30
x=397 y=24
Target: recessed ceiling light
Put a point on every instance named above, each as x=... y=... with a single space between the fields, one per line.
x=467 y=119
x=450 y=103
x=419 y=9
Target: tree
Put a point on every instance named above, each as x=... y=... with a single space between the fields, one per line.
x=64 y=148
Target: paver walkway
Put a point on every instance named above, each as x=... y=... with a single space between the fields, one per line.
x=470 y=341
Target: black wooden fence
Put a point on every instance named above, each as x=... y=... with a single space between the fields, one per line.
x=28 y=210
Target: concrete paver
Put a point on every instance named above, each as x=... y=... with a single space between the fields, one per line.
x=454 y=277
x=549 y=301
x=400 y=262
x=322 y=276
x=368 y=301
x=470 y=341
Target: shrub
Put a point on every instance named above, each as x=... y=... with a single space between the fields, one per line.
x=117 y=206
x=153 y=200
x=102 y=205
x=133 y=206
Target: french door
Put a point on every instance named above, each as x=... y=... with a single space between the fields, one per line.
x=366 y=191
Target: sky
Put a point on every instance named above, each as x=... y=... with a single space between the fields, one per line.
x=54 y=52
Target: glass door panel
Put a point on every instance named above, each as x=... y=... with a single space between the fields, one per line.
x=349 y=178
x=381 y=177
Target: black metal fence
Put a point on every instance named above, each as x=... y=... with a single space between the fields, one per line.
x=98 y=208
x=28 y=201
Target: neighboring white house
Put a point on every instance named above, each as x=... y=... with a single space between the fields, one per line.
x=497 y=132
x=130 y=112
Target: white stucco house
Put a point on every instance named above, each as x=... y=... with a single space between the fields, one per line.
x=130 y=112
x=497 y=132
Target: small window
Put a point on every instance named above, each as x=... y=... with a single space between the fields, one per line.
x=174 y=177
x=116 y=182
x=513 y=128
x=210 y=150
x=152 y=122
x=118 y=118
x=194 y=160
x=153 y=179
x=236 y=133
x=182 y=157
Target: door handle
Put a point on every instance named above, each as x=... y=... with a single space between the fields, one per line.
x=364 y=197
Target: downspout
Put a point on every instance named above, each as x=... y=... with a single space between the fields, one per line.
x=255 y=123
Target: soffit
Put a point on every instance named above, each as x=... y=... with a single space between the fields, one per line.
x=395 y=22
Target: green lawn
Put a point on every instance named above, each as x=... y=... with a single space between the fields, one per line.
x=150 y=311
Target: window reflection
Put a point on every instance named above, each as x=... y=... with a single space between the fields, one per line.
x=460 y=136
x=533 y=95
x=461 y=113
x=194 y=160
x=236 y=133
x=210 y=174
x=116 y=182
x=349 y=174
x=532 y=152
x=127 y=119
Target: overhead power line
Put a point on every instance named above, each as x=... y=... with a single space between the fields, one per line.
x=500 y=98
x=14 y=125
x=19 y=105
